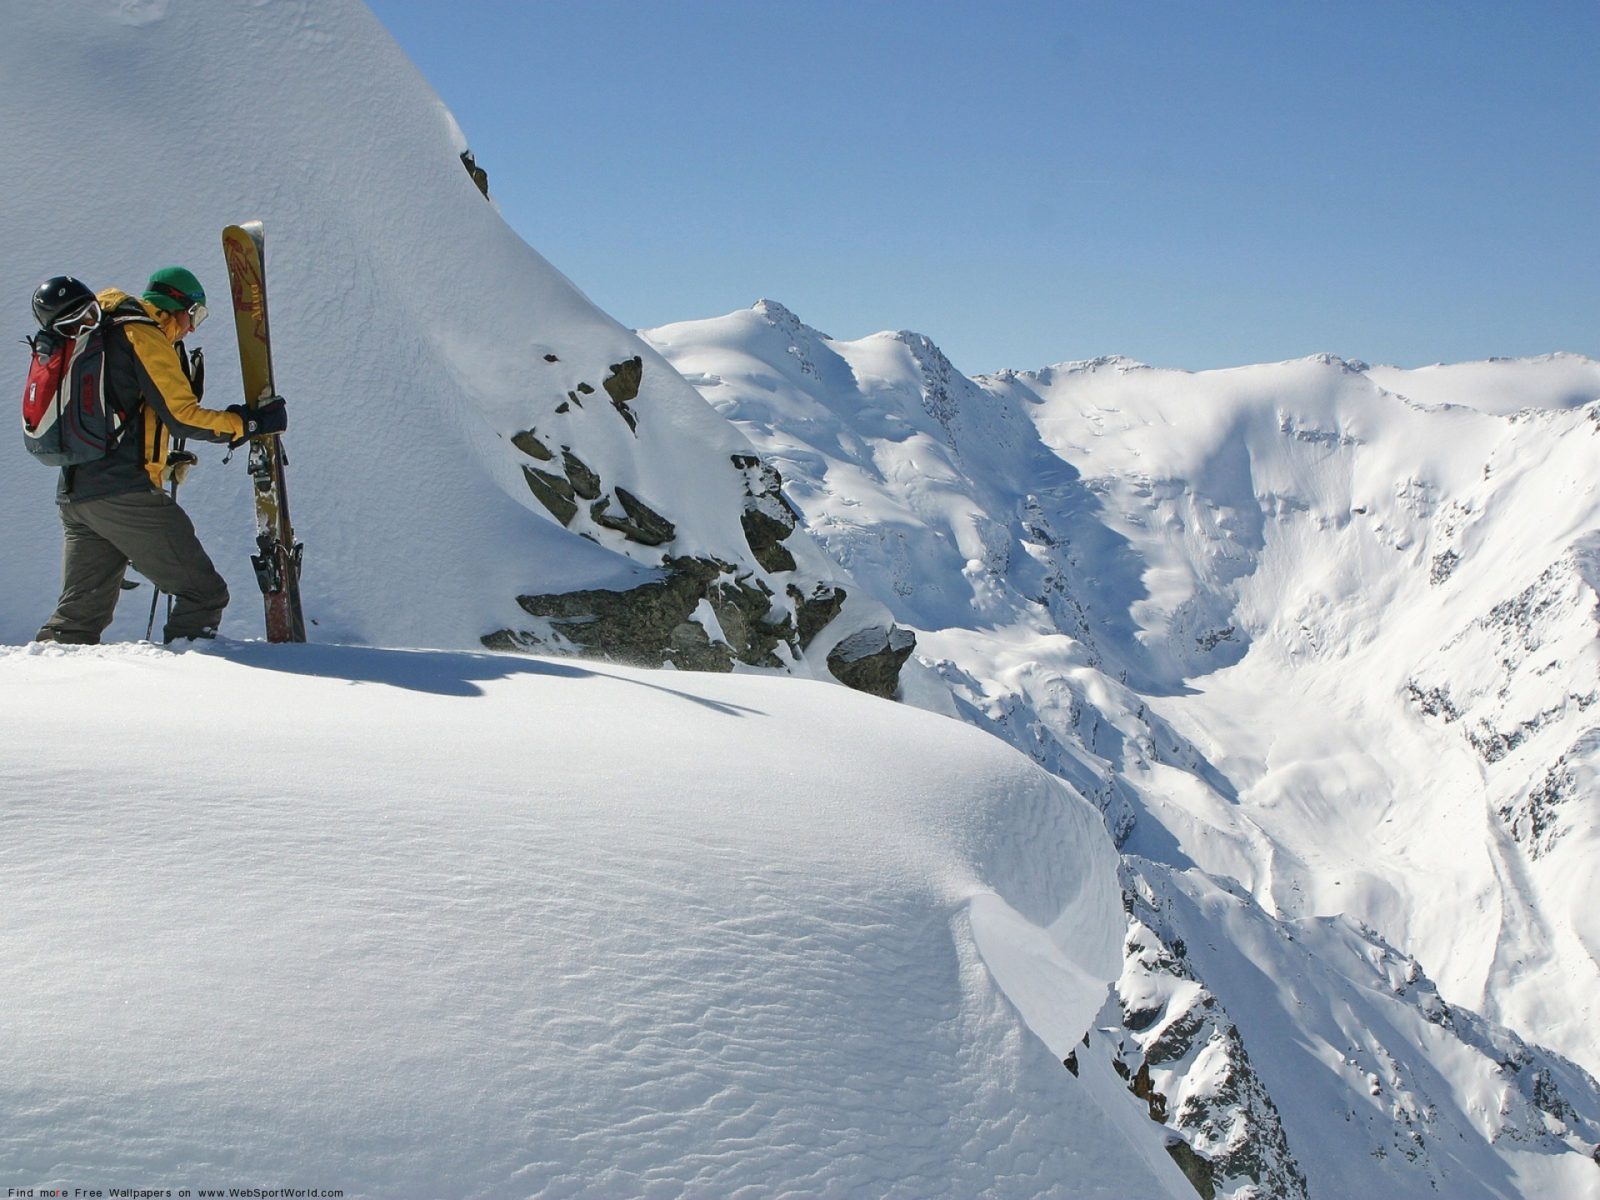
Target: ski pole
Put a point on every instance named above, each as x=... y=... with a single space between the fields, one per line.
x=150 y=625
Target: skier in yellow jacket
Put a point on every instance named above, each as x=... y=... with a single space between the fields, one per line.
x=113 y=510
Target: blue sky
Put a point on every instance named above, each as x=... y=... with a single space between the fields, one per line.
x=1192 y=184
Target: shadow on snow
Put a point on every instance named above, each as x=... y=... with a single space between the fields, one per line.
x=439 y=672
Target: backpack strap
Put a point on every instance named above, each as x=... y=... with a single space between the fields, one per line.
x=117 y=320
x=128 y=312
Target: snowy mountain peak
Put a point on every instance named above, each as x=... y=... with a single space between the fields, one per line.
x=933 y=361
x=1045 y=376
x=782 y=317
x=1115 y=362
x=1326 y=359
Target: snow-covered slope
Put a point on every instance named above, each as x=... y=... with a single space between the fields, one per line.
x=505 y=926
x=1498 y=385
x=1386 y=617
x=452 y=923
x=1320 y=650
x=467 y=429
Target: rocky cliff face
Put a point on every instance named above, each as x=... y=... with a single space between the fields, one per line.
x=1401 y=1079
x=1519 y=685
x=697 y=612
x=1184 y=1056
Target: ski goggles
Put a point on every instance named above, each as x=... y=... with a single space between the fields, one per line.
x=196 y=309
x=80 y=322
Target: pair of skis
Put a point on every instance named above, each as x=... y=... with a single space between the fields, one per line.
x=277 y=561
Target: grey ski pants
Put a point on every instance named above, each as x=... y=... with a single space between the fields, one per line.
x=146 y=528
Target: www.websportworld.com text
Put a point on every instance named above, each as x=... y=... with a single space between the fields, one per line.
x=77 y=1193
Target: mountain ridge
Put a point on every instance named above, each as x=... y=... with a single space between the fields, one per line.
x=1174 y=550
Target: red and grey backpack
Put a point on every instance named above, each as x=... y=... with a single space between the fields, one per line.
x=66 y=420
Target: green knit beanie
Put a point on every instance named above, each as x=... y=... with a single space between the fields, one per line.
x=173 y=289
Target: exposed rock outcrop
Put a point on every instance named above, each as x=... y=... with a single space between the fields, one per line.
x=585 y=482
x=813 y=612
x=698 y=612
x=480 y=177
x=1193 y=1071
x=528 y=442
x=638 y=522
x=622 y=385
x=1195 y=1166
x=698 y=615
x=768 y=518
x=702 y=614
x=870 y=659
x=553 y=491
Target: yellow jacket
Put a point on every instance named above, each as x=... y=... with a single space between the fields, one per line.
x=169 y=402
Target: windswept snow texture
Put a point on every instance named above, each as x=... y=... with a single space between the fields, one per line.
x=502 y=926
x=1319 y=634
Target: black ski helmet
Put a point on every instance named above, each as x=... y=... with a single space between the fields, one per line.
x=59 y=297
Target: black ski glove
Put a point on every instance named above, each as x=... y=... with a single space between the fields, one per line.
x=268 y=417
